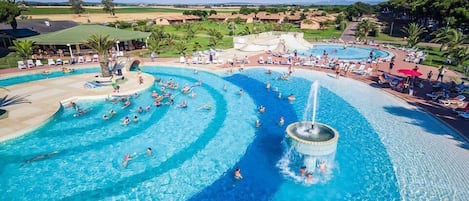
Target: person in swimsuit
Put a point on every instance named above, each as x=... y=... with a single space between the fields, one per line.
x=237 y=174
x=127 y=158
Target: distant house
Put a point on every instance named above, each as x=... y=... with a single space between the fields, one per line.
x=294 y=19
x=178 y=19
x=219 y=17
x=269 y=17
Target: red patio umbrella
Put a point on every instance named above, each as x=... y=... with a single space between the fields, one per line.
x=409 y=72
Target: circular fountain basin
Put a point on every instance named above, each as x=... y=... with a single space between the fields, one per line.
x=320 y=141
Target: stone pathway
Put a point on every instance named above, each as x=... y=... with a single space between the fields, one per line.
x=349 y=33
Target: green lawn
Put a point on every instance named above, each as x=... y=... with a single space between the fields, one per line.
x=9 y=60
x=317 y=35
x=435 y=57
x=386 y=37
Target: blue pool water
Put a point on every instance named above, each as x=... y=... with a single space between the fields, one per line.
x=39 y=76
x=194 y=150
x=349 y=53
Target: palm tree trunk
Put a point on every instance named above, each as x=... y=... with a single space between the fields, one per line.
x=104 y=63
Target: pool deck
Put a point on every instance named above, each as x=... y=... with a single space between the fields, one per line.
x=47 y=96
x=46 y=103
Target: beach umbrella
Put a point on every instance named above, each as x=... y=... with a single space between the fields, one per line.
x=409 y=72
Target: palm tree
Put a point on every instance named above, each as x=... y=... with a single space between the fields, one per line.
x=170 y=39
x=455 y=39
x=232 y=28
x=458 y=54
x=197 y=46
x=181 y=47
x=365 y=27
x=247 y=30
x=441 y=36
x=413 y=31
x=190 y=30
x=23 y=48
x=14 y=100
x=215 y=36
x=101 y=44
x=153 y=46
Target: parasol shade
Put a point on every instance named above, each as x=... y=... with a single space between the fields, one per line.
x=409 y=72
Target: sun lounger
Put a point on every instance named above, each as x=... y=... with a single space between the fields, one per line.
x=261 y=60
x=269 y=60
x=437 y=95
x=30 y=63
x=21 y=65
x=351 y=68
x=368 y=71
x=360 y=69
x=39 y=63
x=464 y=115
x=386 y=78
x=182 y=60
x=50 y=62
x=66 y=61
x=459 y=100
x=195 y=60
x=58 y=62
x=81 y=60
x=88 y=59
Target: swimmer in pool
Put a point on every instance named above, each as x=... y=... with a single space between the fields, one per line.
x=303 y=170
x=281 y=121
x=149 y=151
x=240 y=92
x=224 y=87
x=309 y=177
x=237 y=174
x=105 y=117
x=127 y=158
x=258 y=123
x=261 y=109
x=126 y=121
x=135 y=119
x=40 y=157
x=322 y=166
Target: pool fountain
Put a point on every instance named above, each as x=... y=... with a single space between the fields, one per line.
x=316 y=142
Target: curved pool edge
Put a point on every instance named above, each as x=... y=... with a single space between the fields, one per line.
x=59 y=90
x=391 y=54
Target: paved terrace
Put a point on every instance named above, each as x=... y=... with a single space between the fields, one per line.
x=47 y=95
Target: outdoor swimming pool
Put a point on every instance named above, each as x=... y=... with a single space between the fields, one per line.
x=39 y=76
x=348 y=53
x=195 y=150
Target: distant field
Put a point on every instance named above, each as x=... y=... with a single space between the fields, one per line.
x=65 y=10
